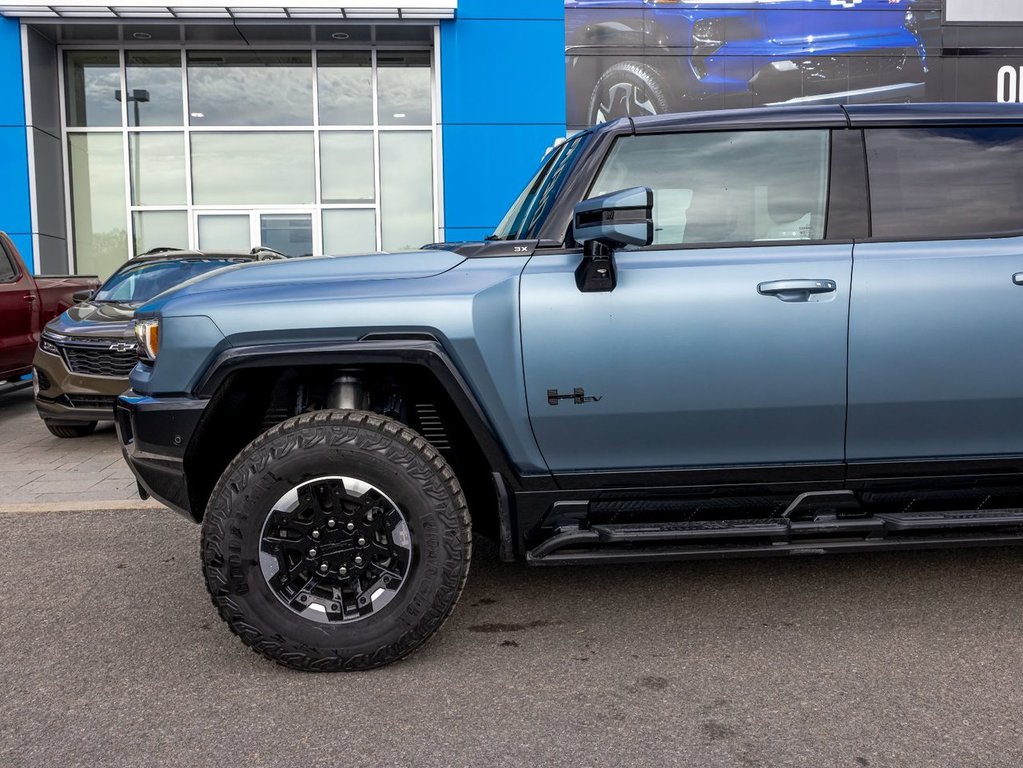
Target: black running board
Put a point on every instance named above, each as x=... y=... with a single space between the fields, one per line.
x=778 y=536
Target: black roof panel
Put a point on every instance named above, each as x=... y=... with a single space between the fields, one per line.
x=859 y=115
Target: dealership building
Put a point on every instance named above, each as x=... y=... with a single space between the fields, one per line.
x=319 y=128
x=387 y=124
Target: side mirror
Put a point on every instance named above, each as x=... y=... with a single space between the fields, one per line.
x=79 y=296
x=605 y=223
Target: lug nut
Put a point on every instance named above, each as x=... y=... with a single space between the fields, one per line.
x=361 y=542
x=324 y=568
x=312 y=553
x=343 y=571
x=331 y=523
x=350 y=527
x=316 y=534
x=358 y=560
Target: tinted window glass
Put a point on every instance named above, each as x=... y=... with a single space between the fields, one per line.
x=530 y=210
x=945 y=182
x=726 y=187
x=6 y=264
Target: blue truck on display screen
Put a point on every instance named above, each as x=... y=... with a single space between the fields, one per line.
x=692 y=336
x=636 y=57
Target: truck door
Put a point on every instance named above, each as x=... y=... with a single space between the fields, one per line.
x=936 y=353
x=724 y=343
x=19 y=313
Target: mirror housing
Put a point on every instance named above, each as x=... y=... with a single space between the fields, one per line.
x=602 y=224
x=79 y=296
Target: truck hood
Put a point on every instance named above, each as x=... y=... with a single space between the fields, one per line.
x=294 y=273
x=103 y=319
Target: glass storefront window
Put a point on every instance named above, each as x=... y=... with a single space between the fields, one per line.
x=345 y=88
x=349 y=231
x=406 y=189
x=272 y=168
x=287 y=233
x=99 y=202
x=346 y=168
x=159 y=229
x=250 y=88
x=404 y=88
x=157 y=168
x=306 y=151
x=224 y=232
x=93 y=83
x=154 y=88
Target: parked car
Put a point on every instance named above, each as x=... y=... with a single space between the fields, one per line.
x=637 y=57
x=84 y=355
x=663 y=352
x=26 y=304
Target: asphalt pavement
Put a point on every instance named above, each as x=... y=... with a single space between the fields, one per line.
x=112 y=655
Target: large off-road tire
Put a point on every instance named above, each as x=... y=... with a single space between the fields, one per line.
x=629 y=89
x=338 y=540
x=72 y=430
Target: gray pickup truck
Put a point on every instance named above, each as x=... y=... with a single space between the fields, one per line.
x=784 y=331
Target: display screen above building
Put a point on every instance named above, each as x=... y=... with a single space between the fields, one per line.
x=251 y=9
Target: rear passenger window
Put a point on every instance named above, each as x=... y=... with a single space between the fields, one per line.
x=726 y=187
x=929 y=183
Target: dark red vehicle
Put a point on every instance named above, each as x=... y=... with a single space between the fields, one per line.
x=27 y=303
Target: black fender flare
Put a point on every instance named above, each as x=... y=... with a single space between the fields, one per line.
x=419 y=349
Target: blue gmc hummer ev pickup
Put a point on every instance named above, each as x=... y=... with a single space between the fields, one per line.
x=769 y=332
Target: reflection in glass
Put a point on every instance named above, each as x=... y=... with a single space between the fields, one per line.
x=349 y=231
x=287 y=233
x=253 y=168
x=159 y=229
x=98 y=201
x=403 y=88
x=250 y=88
x=157 y=168
x=345 y=88
x=224 y=232
x=734 y=186
x=154 y=88
x=92 y=81
x=346 y=167
x=406 y=189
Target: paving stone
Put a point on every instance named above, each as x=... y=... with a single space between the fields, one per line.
x=35 y=466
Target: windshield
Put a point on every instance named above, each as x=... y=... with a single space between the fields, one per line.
x=533 y=205
x=139 y=282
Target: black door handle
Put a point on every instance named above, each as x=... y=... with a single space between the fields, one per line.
x=1017 y=279
x=796 y=290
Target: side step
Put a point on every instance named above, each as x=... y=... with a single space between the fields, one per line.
x=647 y=542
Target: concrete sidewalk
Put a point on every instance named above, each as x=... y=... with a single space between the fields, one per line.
x=40 y=472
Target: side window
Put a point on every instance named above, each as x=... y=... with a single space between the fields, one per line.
x=929 y=183
x=7 y=271
x=728 y=186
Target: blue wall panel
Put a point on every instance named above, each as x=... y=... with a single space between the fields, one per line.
x=503 y=105
x=496 y=163
x=15 y=211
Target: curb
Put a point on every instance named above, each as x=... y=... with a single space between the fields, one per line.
x=38 y=507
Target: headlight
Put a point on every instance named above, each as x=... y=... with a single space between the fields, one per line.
x=148 y=334
x=48 y=346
